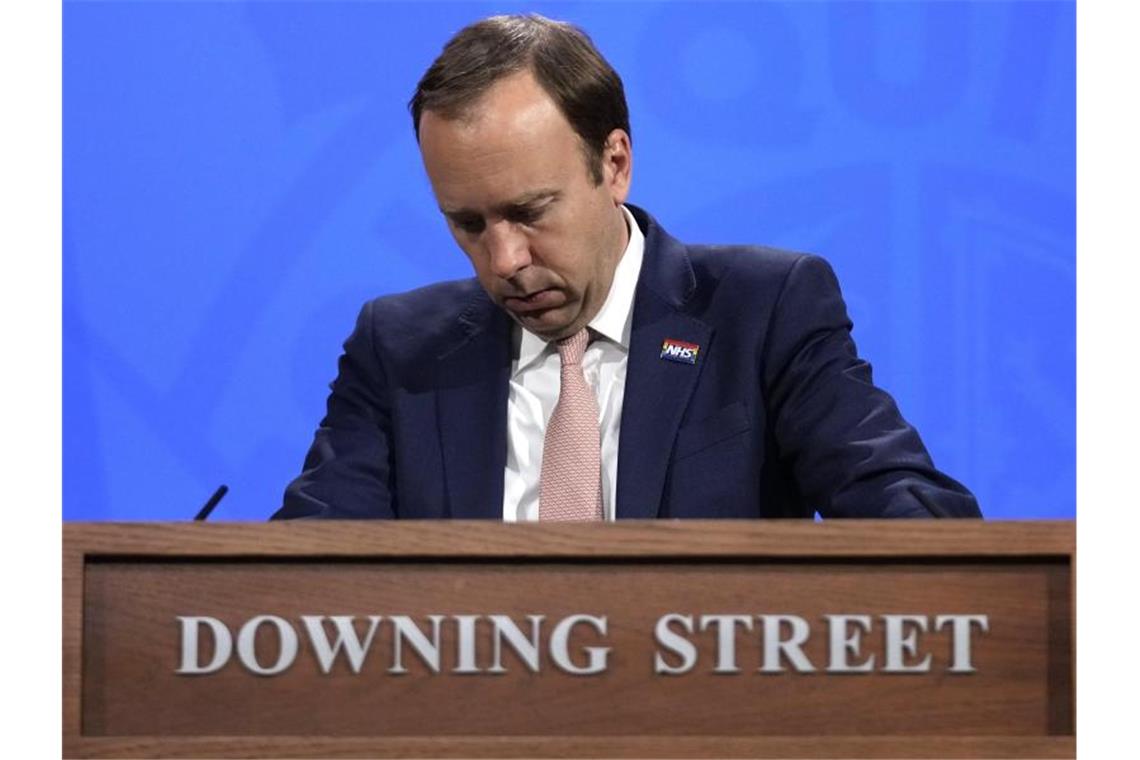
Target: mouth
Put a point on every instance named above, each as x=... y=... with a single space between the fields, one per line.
x=539 y=300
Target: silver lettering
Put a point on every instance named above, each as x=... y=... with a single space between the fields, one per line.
x=774 y=646
x=406 y=629
x=726 y=638
x=524 y=648
x=901 y=643
x=844 y=645
x=559 y=640
x=675 y=643
x=960 y=633
x=465 y=625
x=345 y=638
x=248 y=635
x=223 y=645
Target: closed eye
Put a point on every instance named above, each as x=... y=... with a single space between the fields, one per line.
x=525 y=215
x=532 y=212
x=472 y=225
x=525 y=212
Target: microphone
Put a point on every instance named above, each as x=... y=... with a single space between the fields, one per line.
x=205 y=511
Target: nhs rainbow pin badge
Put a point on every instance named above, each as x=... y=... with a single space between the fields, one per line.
x=679 y=351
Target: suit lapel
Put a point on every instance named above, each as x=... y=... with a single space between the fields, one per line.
x=472 y=399
x=657 y=391
x=474 y=374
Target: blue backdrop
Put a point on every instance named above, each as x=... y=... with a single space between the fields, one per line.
x=240 y=177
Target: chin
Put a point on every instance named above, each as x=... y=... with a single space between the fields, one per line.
x=550 y=327
x=546 y=332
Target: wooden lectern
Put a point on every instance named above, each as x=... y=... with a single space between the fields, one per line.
x=666 y=639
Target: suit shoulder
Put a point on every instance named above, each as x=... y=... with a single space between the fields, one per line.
x=419 y=320
x=752 y=268
x=438 y=301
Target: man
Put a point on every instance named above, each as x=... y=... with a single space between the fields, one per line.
x=597 y=368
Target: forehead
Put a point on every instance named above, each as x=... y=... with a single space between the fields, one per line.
x=511 y=141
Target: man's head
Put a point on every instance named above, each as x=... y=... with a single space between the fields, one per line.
x=524 y=133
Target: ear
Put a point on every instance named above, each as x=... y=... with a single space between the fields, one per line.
x=617 y=165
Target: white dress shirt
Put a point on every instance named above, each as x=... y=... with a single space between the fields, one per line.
x=536 y=378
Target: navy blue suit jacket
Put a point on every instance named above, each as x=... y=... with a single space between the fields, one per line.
x=777 y=418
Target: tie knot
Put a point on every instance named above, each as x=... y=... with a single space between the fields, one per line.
x=571 y=349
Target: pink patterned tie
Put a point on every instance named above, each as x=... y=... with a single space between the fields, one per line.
x=571 y=482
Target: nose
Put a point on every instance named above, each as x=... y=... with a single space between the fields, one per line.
x=507 y=247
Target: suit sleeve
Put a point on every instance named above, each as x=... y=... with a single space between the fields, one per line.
x=348 y=470
x=843 y=439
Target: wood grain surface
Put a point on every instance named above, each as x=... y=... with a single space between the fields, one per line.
x=125 y=585
x=632 y=538
x=578 y=746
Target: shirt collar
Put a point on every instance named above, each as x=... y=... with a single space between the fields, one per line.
x=614 y=321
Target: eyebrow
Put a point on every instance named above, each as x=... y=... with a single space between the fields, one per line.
x=526 y=199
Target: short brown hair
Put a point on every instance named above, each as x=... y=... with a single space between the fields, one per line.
x=562 y=59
